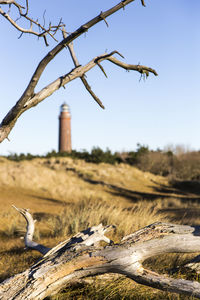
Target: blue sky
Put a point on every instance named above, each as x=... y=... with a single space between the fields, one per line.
x=160 y=111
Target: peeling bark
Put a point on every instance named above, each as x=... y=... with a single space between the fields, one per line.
x=81 y=256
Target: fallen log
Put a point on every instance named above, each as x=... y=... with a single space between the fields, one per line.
x=82 y=256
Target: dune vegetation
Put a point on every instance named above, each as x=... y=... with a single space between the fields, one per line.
x=67 y=195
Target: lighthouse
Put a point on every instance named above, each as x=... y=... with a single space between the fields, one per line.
x=65 y=129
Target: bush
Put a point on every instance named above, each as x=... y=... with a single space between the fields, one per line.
x=177 y=164
x=97 y=155
x=156 y=162
x=187 y=166
x=21 y=156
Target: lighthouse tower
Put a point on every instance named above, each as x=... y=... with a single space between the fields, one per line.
x=65 y=129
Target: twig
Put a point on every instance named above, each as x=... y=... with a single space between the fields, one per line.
x=29 y=98
x=101 y=16
x=83 y=79
x=101 y=68
x=43 y=32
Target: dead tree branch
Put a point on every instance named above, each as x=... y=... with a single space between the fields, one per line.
x=81 y=256
x=11 y=118
x=83 y=79
x=139 y=68
x=73 y=74
x=28 y=239
x=43 y=32
x=29 y=98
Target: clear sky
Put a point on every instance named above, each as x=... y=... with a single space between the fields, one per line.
x=160 y=111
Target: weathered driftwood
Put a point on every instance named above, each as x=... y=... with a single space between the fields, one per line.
x=81 y=256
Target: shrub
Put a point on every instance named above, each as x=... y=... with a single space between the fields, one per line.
x=187 y=166
x=181 y=165
x=156 y=162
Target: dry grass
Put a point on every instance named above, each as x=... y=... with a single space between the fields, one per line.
x=67 y=196
x=87 y=213
x=115 y=288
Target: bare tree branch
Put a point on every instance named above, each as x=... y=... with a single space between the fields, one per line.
x=29 y=99
x=101 y=68
x=103 y=18
x=76 y=73
x=27 y=8
x=29 y=243
x=51 y=30
x=139 y=68
x=88 y=88
x=83 y=79
x=81 y=256
x=11 y=118
x=9 y=2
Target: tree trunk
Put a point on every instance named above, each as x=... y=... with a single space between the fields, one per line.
x=81 y=256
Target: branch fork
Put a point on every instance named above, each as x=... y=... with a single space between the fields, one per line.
x=43 y=32
x=29 y=98
x=82 y=256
